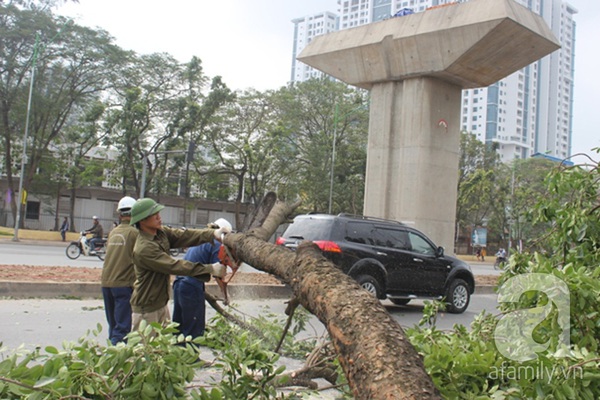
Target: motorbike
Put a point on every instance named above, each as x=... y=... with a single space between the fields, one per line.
x=500 y=262
x=82 y=246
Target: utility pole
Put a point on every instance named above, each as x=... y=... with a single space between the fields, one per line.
x=22 y=197
x=189 y=157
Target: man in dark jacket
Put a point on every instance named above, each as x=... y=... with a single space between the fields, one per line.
x=154 y=264
x=118 y=274
x=98 y=233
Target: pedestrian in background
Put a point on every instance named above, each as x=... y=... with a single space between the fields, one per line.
x=189 y=308
x=64 y=229
x=118 y=274
x=154 y=264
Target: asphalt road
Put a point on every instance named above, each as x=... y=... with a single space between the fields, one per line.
x=53 y=254
x=49 y=254
x=43 y=322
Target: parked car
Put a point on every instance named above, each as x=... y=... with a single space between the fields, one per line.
x=387 y=258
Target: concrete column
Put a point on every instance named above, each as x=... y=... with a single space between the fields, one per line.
x=412 y=156
x=415 y=67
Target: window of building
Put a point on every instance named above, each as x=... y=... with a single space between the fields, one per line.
x=32 y=211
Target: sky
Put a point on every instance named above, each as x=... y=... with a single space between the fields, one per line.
x=249 y=43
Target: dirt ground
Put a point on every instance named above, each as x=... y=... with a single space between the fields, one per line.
x=28 y=273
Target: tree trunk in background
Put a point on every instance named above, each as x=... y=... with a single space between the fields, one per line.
x=377 y=358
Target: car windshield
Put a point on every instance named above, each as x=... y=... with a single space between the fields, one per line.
x=309 y=229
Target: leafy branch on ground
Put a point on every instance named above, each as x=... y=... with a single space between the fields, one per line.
x=157 y=361
x=466 y=364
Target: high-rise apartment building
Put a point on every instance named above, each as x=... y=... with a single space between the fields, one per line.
x=525 y=113
x=305 y=29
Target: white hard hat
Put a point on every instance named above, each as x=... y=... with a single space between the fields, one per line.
x=94 y=217
x=222 y=223
x=125 y=204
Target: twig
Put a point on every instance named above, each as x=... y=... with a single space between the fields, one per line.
x=291 y=307
x=232 y=318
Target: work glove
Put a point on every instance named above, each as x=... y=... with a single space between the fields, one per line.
x=218 y=270
x=219 y=233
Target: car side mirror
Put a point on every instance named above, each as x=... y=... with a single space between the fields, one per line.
x=439 y=251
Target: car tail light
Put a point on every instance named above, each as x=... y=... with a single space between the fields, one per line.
x=280 y=240
x=328 y=246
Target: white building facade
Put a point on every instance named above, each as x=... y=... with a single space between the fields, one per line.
x=305 y=29
x=525 y=113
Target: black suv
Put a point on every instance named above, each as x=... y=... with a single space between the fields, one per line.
x=387 y=258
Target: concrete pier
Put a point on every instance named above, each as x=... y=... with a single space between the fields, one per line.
x=415 y=67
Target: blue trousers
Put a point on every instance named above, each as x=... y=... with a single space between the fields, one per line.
x=118 y=312
x=189 y=309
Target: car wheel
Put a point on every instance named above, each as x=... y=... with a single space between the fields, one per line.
x=370 y=284
x=458 y=296
x=400 y=302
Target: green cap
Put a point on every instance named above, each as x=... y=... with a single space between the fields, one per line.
x=143 y=208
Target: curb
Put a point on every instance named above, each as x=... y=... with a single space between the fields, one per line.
x=84 y=290
x=485 y=289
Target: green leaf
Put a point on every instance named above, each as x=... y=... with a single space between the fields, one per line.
x=44 y=381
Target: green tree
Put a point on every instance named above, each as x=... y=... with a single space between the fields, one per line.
x=78 y=147
x=479 y=193
x=248 y=145
x=161 y=106
x=523 y=181
x=66 y=66
x=467 y=363
x=313 y=112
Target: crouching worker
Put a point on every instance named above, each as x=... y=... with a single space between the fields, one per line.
x=189 y=309
x=154 y=265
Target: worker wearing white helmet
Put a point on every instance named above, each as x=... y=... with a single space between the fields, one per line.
x=189 y=309
x=118 y=273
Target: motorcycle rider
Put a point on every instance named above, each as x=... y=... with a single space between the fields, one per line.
x=501 y=254
x=98 y=233
x=500 y=257
x=118 y=274
x=154 y=264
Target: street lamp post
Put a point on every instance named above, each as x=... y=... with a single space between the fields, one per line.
x=335 y=114
x=22 y=197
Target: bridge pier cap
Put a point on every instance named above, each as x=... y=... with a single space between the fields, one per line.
x=415 y=67
x=472 y=44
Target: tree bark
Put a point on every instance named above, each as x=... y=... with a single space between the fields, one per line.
x=375 y=354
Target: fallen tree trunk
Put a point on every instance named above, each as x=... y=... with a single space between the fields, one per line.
x=377 y=358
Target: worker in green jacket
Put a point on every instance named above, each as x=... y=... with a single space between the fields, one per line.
x=118 y=274
x=154 y=265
